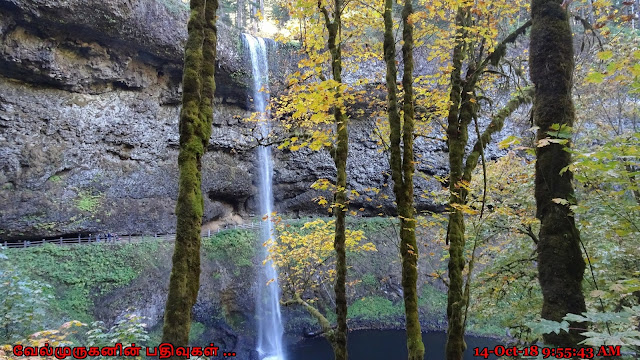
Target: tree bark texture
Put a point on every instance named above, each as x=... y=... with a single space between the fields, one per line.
x=459 y=117
x=402 y=168
x=340 y=158
x=463 y=110
x=560 y=262
x=195 y=129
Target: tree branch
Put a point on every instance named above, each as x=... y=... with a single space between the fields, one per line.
x=325 y=12
x=529 y=232
x=501 y=49
x=496 y=124
x=322 y=320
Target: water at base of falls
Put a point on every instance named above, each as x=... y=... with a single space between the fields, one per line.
x=269 y=320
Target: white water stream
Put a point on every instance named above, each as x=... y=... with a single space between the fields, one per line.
x=269 y=320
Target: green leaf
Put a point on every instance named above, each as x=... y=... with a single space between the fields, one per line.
x=595 y=77
x=575 y=318
x=560 y=201
x=605 y=55
x=544 y=326
x=509 y=141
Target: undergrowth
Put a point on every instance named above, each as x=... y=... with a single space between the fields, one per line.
x=376 y=308
x=79 y=273
x=237 y=246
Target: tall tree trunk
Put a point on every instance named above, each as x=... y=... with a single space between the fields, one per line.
x=560 y=263
x=402 y=168
x=195 y=130
x=240 y=14
x=462 y=111
x=458 y=119
x=340 y=158
x=408 y=244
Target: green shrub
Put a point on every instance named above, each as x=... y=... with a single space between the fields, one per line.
x=237 y=246
x=175 y=7
x=369 y=282
x=372 y=226
x=127 y=331
x=375 y=308
x=80 y=272
x=23 y=303
x=197 y=329
x=433 y=300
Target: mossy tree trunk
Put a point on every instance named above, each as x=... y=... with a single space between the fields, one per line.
x=402 y=168
x=560 y=262
x=327 y=330
x=195 y=129
x=459 y=118
x=463 y=110
x=340 y=154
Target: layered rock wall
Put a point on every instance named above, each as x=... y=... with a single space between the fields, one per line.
x=89 y=104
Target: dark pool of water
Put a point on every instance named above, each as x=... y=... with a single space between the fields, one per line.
x=384 y=345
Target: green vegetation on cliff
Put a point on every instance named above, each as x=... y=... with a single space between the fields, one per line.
x=82 y=275
x=89 y=281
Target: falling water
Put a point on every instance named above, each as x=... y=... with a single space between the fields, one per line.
x=269 y=344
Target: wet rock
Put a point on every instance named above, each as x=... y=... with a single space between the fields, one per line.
x=89 y=106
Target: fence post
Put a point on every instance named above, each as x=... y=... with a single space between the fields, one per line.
x=5 y=243
x=209 y=233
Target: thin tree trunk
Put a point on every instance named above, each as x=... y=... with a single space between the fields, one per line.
x=462 y=110
x=402 y=168
x=195 y=130
x=340 y=158
x=240 y=14
x=408 y=244
x=560 y=263
x=457 y=134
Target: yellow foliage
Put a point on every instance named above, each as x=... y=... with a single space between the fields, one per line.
x=305 y=256
x=53 y=338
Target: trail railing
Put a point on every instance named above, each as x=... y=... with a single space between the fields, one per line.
x=114 y=238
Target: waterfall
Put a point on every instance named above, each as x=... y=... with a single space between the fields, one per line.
x=269 y=320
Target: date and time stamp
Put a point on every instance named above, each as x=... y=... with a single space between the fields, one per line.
x=536 y=352
x=165 y=351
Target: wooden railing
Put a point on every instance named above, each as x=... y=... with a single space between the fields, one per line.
x=112 y=238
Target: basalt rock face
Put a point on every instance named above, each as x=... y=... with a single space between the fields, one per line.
x=96 y=46
x=89 y=94
x=89 y=104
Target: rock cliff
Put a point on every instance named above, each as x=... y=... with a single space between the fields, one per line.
x=89 y=103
